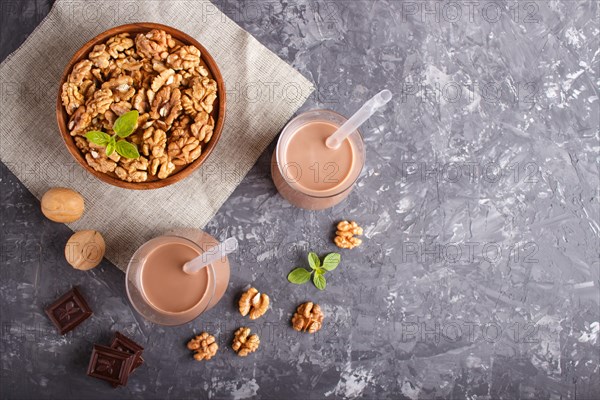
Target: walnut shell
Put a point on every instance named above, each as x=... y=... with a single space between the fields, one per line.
x=85 y=249
x=62 y=205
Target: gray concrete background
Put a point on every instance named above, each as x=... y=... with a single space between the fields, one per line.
x=478 y=277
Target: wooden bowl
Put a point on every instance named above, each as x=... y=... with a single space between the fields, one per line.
x=218 y=112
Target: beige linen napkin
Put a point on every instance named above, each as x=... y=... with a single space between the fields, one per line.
x=263 y=92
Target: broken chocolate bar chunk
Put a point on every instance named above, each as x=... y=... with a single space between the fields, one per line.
x=68 y=311
x=123 y=343
x=110 y=365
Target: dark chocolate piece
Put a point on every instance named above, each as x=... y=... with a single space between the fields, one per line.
x=110 y=365
x=68 y=311
x=123 y=343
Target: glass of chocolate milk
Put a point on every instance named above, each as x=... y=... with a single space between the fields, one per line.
x=309 y=174
x=159 y=289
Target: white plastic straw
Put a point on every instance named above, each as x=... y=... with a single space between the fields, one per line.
x=364 y=113
x=211 y=255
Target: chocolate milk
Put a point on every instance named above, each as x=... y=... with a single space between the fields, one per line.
x=305 y=171
x=158 y=288
x=316 y=168
x=166 y=287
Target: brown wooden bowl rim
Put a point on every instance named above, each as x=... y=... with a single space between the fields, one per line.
x=62 y=116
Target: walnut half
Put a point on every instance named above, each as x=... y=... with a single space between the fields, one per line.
x=244 y=343
x=345 y=235
x=254 y=303
x=204 y=346
x=308 y=317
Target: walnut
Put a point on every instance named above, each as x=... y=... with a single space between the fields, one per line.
x=154 y=142
x=188 y=104
x=159 y=66
x=121 y=87
x=201 y=70
x=172 y=109
x=345 y=235
x=209 y=84
x=204 y=346
x=79 y=121
x=118 y=44
x=87 y=88
x=164 y=78
x=208 y=101
x=180 y=128
x=82 y=144
x=154 y=44
x=184 y=150
x=100 y=102
x=97 y=159
x=159 y=101
x=129 y=64
x=120 y=108
x=62 y=205
x=203 y=127
x=161 y=166
x=177 y=81
x=254 y=303
x=164 y=81
x=85 y=249
x=97 y=73
x=144 y=121
x=244 y=343
x=186 y=57
x=204 y=133
x=140 y=102
x=81 y=71
x=71 y=96
x=308 y=317
x=99 y=56
x=133 y=170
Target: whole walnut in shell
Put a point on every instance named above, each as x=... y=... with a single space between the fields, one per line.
x=254 y=303
x=85 y=249
x=62 y=205
x=308 y=317
x=244 y=343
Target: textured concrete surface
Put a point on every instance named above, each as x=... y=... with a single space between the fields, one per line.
x=479 y=273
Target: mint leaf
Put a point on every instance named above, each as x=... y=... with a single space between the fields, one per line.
x=97 y=137
x=125 y=124
x=110 y=146
x=331 y=261
x=299 y=276
x=126 y=149
x=319 y=281
x=313 y=260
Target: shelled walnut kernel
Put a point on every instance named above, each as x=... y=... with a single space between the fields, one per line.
x=161 y=78
x=204 y=346
x=345 y=235
x=244 y=343
x=308 y=317
x=254 y=303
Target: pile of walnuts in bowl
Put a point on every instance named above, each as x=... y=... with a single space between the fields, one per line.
x=161 y=78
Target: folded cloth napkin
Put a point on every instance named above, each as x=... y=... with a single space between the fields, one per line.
x=263 y=92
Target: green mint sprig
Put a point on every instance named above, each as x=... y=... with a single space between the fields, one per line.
x=302 y=275
x=123 y=127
